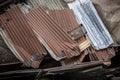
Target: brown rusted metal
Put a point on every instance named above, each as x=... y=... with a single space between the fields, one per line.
x=104 y=54
x=75 y=60
x=53 y=34
x=65 y=18
x=22 y=37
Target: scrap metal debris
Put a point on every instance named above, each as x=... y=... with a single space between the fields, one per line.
x=37 y=31
x=87 y=15
x=52 y=33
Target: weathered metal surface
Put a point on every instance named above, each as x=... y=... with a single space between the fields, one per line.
x=53 y=35
x=103 y=55
x=75 y=60
x=87 y=15
x=50 y=4
x=16 y=31
x=65 y=18
x=68 y=22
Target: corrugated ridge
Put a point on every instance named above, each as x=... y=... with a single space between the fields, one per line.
x=58 y=40
x=100 y=55
x=104 y=54
x=21 y=34
x=50 y=4
x=65 y=18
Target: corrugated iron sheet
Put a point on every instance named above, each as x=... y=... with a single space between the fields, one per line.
x=18 y=32
x=104 y=55
x=75 y=60
x=65 y=18
x=87 y=15
x=50 y=4
x=53 y=35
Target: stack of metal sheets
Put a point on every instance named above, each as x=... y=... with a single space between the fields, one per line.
x=53 y=35
x=20 y=38
x=87 y=15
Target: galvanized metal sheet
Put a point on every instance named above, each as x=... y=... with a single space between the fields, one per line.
x=87 y=15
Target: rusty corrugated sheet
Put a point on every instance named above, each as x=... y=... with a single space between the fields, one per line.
x=75 y=60
x=104 y=55
x=87 y=15
x=18 y=32
x=65 y=18
x=53 y=35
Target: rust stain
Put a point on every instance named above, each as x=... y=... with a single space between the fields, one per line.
x=75 y=60
x=104 y=54
x=23 y=38
x=100 y=55
x=54 y=35
x=65 y=18
x=68 y=22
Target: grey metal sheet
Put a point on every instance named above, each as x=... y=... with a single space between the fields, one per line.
x=88 y=16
